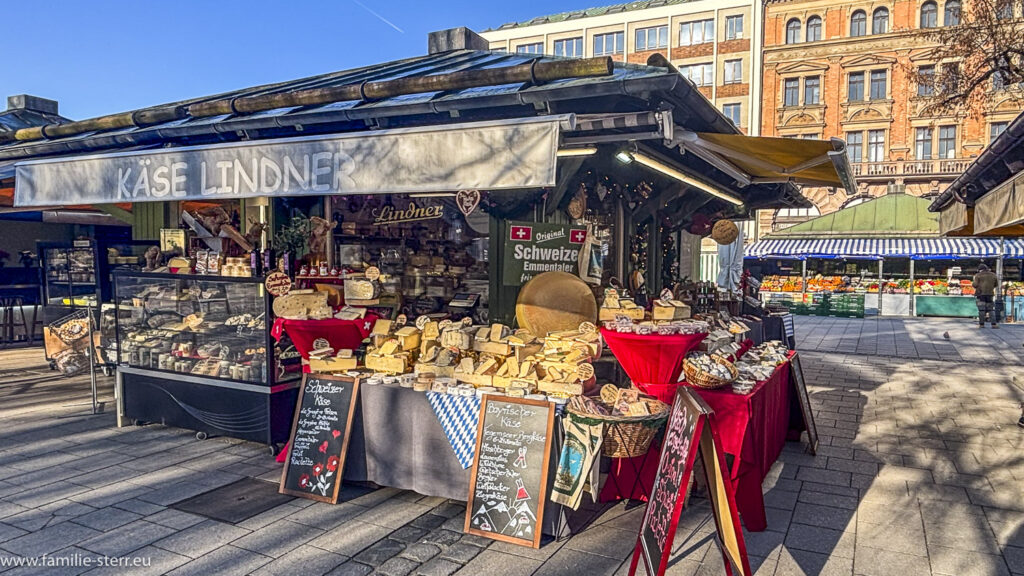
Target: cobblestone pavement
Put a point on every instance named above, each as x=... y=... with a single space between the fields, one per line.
x=918 y=338
x=920 y=471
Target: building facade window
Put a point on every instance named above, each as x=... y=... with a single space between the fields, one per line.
x=700 y=74
x=923 y=143
x=926 y=81
x=733 y=71
x=652 y=38
x=951 y=15
x=812 y=90
x=732 y=112
x=859 y=23
x=947 y=141
x=533 y=48
x=880 y=21
x=734 y=27
x=879 y=84
x=876 y=145
x=855 y=88
x=793 y=31
x=929 y=15
x=569 y=47
x=696 y=32
x=855 y=146
x=791 y=92
x=995 y=130
x=606 y=44
x=813 y=29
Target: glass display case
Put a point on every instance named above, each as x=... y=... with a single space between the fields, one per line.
x=196 y=352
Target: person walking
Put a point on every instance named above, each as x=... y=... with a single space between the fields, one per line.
x=985 y=283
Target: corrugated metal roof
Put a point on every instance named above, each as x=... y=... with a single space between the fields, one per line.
x=590 y=12
x=892 y=216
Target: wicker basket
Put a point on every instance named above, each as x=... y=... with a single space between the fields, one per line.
x=697 y=377
x=627 y=436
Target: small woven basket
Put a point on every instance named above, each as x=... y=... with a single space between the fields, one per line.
x=627 y=436
x=701 y=379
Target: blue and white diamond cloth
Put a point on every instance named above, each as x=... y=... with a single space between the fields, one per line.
x=459 y=417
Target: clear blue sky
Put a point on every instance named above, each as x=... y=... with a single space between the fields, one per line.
x=103 y=56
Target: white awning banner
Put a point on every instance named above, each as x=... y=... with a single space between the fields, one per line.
x=478 y=156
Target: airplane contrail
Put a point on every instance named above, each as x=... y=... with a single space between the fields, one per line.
x=379 y=17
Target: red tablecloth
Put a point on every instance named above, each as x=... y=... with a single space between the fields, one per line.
x=341 y=334
x=652 y=358
x=753 y=429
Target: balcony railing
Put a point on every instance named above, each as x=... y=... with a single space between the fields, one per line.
x=940 y=167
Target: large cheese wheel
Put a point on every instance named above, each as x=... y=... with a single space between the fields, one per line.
x=555 y=301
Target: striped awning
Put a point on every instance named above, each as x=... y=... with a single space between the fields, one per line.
x=875 y=248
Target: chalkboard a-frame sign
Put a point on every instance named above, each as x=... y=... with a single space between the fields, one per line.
x=797 y=376
x=508 y=483
x=690 y=427
x=319 y=439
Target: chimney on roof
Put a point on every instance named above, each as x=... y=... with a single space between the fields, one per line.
x=32 y=103
x=461 y=38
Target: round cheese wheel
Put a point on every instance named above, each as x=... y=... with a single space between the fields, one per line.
x=555 y=301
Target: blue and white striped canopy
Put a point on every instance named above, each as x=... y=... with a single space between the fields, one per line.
x=875 y=248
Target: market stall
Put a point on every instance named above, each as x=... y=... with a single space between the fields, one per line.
x=884 y=253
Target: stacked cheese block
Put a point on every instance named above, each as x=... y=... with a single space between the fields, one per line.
x=394 y=347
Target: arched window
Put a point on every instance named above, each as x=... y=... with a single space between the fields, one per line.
x=859 y=23
x=880 y=21
x=952 y=16
x=813 y=29
x=792 y=31
x=929 y=15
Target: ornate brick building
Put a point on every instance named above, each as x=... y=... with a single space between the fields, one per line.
x=847 y=69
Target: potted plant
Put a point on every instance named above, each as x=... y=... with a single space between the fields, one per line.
x=291 y=240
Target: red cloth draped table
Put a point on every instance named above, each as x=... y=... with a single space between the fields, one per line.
x=653 y=362
x=753 y=429
x=340 y=334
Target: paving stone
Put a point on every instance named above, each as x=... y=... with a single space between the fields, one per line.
x=954 y=562
x=438 y=567
x=139 y=507
x=1014 y=558
x=824 y=476
x=351 y=568
x=201 y=538
x=224 y=561
x=422 y=552
x=107 y=518
x=397 y=567
x=124 y=539
x=408 y=534
x=50 y=539
x=569 y=561
x=175 y=519
x=450 y=509
x=429 y=521
x=393 y=513
x=278 y=538
x=475 y=540
x=876 y=562
x=604 y=541
x=442 y=537
x=766 y=544
x=905 y=539
x=326 y=516
x=313 y=562
x=825 y=516
x=380 y=552
x=822 y=540
x=493 y=563
x=8 y=532
x=461 y=552
x=832 y=500
x=158 y=562
x=804 y=563
x=350 y=538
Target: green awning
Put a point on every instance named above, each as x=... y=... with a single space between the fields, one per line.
x=889 y=216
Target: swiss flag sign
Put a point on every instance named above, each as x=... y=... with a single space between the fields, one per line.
x=577 y=236
x=521 y=233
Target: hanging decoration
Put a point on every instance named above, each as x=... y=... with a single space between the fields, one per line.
x=467 y=201
x=638 y=258
x=578 y=205
x=724 y=232
x=669 y=259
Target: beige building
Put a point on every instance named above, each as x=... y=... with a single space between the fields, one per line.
x=715 y=43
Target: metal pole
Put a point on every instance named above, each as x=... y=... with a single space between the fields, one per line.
x=92 y=362
x=912 y=296
x=1001 y=312
x=880 y=285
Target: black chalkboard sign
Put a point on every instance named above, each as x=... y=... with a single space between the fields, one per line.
x=690 y=430
x=796 y=372
x=319 y=440
x=508 y=483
